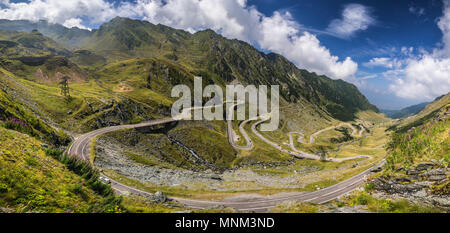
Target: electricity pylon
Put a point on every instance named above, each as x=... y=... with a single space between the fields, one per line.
x=64 y=85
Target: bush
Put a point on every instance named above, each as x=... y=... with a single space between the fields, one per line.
x=4 y=188
x=369 y=187
x=82 y=168
x=362 y=199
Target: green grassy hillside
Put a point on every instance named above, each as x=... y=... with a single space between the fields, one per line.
x=221 y=60
x=405 y=112
x=424 y=140
x=32 y=181
x=14 y=115
x=123 y=73
x=428 y=112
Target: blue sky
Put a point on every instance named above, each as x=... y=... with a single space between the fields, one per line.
x=396 y=52
x=398 y=24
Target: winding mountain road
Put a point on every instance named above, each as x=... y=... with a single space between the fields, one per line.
x=82 y=144
x=312 y=140
x=298 y=153
x=232 y=135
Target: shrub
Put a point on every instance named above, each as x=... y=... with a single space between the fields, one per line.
x=111 y=203
x=362 y=199
x=4 y=188
x=17 y=125
x=369 y=187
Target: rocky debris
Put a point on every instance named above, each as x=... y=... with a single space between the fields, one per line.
x=424 y=166
x=443 y=115
x=418 y=185
x=216 y=177
x=395 y=185
x=109 y=156
x=350 y=209
x=412 y=172
x=159 y=197
x=6 y=210
x=265 y=165
x=116 y=112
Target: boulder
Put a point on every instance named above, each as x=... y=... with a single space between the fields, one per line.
x=6 y=210
x=437 y=177
x=412 y=172
x=216 y=177
x=424 y=166
x=402 y=180
x=159 y=197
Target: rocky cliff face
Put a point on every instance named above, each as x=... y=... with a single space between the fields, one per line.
x=426 y=183
x=417 y=168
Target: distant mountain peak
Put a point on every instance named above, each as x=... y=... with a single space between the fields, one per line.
x=208 y=53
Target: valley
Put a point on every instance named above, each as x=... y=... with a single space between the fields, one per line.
x=117 y=121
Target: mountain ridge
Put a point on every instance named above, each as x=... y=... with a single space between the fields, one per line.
x=405 y=112
x=209 y=54
x=234 y=60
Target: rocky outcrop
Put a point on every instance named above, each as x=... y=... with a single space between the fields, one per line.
x=427 y=183
x=349 y=209
x=158 y=197
x=7 y=210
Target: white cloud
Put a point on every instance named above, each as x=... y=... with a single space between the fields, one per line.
x=355 y=17
x=444 y=25
x=75 y=22
x=385 y=62
x=233 y=19
x=426 y=76
x=56 y=11
x=423 y=79
x=280 y=34
x=407 y=51
x=416 y=10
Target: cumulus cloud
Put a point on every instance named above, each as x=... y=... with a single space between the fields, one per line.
x=280 y=34
x=423 y=79
x=444 y=25
x=355 y=17
x=56 y=11
x=75 y=22
x=233 y=19
x=427 y=75
x=385 y=62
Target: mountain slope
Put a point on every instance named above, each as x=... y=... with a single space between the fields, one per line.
x=32 y=181
x=70 y=37
x=205 y=53
x=418 y=157
x=427 y=113
x=222 y=61
x=405 y=112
